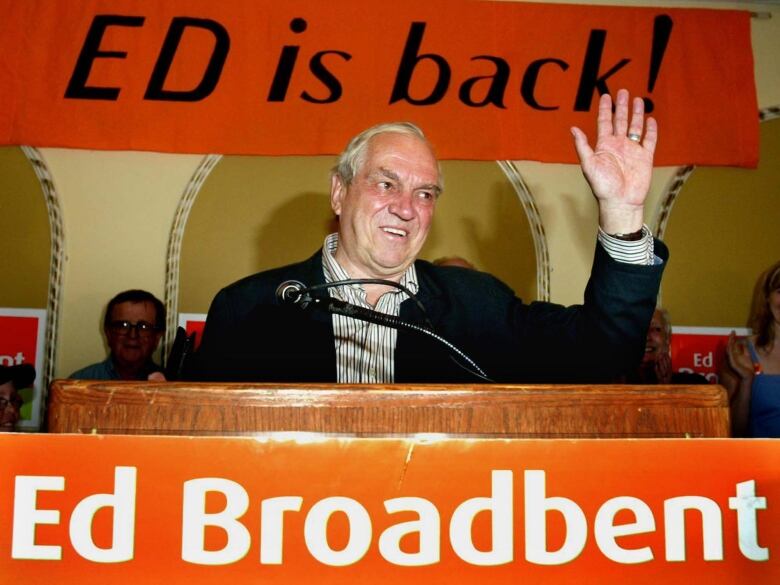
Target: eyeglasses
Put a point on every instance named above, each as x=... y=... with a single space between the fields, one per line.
x=16 y=402
x=142 y=328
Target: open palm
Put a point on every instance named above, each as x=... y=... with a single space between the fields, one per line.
x=620 y=166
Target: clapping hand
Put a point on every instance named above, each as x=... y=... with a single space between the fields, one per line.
x=663 y=368
x=739 y=357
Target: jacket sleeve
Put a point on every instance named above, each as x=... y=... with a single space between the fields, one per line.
x=604 y=337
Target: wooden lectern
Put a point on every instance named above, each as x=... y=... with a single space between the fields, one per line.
x=508 y=411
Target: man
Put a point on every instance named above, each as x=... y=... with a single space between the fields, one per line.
x=133 y=325
x=656 y=366
x=13 y=379
x=384 y=191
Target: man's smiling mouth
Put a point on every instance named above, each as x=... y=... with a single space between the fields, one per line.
x=395 y=231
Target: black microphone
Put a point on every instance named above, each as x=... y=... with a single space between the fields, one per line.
x=292 y=292
x=331 y=305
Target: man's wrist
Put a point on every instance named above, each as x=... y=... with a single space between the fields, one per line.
x=620 y=219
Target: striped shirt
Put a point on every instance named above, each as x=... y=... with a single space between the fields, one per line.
x=365 y=352
x=640 y=251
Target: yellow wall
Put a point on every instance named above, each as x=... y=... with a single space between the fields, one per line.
x=24 y=234
x=724 y=230
x=251 y=214
x=118 y=209
x=480 y=218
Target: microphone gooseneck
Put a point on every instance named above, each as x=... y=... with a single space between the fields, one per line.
x=332 y=305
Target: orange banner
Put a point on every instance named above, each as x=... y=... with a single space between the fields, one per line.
x=113 y=509
x=486 y=80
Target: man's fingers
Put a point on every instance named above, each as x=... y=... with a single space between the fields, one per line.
x=584 y=151
x=651 y=135
x=604 y=122
x=732 y=340
x=637 y=117
x=621 y=113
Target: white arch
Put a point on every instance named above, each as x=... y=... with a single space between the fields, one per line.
x=537 y=228
x=173 y=254
x=57 y=260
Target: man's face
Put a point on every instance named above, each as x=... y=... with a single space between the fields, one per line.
x=657 y=342
x=134 y=348
x=10 y=402
x=385 y=213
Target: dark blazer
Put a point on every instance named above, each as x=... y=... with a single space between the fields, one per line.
x=251 y=336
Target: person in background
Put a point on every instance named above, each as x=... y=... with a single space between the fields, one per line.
x=133 y=325
x=13 y=379
x=656 y=366
x=453 y=261
x=751 y=374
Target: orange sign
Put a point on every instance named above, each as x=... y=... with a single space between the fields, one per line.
x=701 y=349
x=486 y=80
x=193 y=323
x=299 y=509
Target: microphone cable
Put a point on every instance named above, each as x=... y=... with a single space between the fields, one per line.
x=397 y=285
x=363 y=314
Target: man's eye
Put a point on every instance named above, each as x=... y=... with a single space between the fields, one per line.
x=385 y=185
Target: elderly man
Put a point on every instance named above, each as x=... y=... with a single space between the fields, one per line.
x=384 y=190
x=133 y=324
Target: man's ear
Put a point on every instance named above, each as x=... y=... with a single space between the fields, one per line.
x=337 y=192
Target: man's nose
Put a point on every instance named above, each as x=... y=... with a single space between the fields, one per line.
x=402 y=205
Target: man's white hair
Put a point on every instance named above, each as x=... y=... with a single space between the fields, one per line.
x=354 y=154
x=667 y=322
